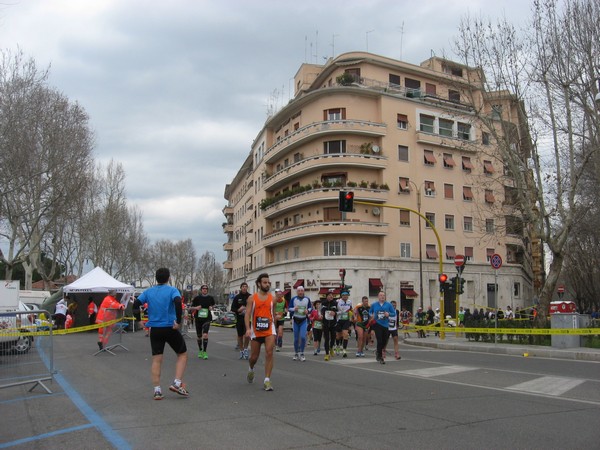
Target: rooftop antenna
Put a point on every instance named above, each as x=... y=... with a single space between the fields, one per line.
x=367 y=38
x=305 y=47
x=317 y=47
x=333 y=36
x=401 y=38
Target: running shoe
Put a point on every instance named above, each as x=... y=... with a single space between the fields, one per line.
x=398 y=356
x=344 y=355
x=358 y=354
x=382 y=361
x=315 y=353
x=326 y=357
x=204 y=355
x=250 y=376
x=319 y=350
x=295 y=358
x=302 y=358
x=200 y=354
x=158 y=395
x=331 y=352
x=246 y=353
x=181 y=390
x=241 y=355
x=277 y=349
x=268 y=386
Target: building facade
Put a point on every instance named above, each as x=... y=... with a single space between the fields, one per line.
x=421 y=137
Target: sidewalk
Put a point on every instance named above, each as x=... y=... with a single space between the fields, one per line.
x=451 y=342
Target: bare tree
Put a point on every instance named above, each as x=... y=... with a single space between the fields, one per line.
x=211 y=272
x=544 y=77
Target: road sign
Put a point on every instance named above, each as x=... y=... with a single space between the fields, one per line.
x=561 y=289
x=459 y=260
x=496 y=261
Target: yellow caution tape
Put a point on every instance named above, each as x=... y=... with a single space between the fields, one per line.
x=524 y=331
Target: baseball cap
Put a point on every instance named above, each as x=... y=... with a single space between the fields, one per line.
x=277 y=290
x=345 y=293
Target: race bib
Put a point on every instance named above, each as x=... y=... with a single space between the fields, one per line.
x=203 y=313
x=344 y=316
x=329 y=315
x=392 y=323
x=318 y=325
x=380 y=315
x=301 y=311
x=262 y=323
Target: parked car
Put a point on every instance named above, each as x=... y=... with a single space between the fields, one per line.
x=9 y=341
x=227 y=319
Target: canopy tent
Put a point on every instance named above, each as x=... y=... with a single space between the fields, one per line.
x=97 y=280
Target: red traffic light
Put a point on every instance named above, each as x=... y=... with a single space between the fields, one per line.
x=349 y=195
x=346 y=203
x=443 y=277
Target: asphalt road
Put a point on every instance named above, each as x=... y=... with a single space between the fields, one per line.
x=429 y=399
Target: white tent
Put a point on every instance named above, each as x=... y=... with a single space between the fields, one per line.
x=97 y=280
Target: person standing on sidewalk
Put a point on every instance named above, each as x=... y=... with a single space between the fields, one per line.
x=300 y=307
x=202 y=305
x=106 y=313
x=164 y=318
x=381 y=311
x=238 y=306
x=260 y=328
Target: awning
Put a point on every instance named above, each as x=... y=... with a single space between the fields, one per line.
x=325 y=290
x=286 y=292
x=467 y=193
x=431 y=253
x=299 y=282
x=466 y=161
x=429 y=158
x=489 y=197
x=489 y=168
x=450 y=252
x=375 y=283
x=409 y=293
x=448 y=160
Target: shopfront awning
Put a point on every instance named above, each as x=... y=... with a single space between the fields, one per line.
x=299 y=282
x=375 y=283
x=409 y=293
x=325 y=290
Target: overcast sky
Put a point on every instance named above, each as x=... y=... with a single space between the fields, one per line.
x=177 y=90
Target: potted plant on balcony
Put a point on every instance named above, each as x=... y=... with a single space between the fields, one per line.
x=384 y=187
x=364 y=184
x=345 y=79
x=374 y=185
x=351 y=184
x=366 y=148
x=316 y=184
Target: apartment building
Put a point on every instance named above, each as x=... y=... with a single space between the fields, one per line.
x=421 y=137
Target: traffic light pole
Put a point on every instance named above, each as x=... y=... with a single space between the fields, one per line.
x=439 y=241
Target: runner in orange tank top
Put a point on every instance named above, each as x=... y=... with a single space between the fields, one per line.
x=260 y=328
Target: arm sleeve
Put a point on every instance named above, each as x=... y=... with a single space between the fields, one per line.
x=178 y=309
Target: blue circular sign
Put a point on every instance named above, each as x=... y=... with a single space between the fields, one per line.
x=496 y=261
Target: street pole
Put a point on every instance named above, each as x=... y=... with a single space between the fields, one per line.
x=420 y=249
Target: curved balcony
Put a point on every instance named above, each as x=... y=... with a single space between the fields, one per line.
x=320 y=163
x=228 y=246
x=320 y=129
x=228 y=265
x=319 y=227
x=320 y=195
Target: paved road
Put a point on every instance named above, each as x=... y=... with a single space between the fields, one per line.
x=431 y=398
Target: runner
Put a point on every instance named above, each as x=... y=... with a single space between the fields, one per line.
x=316 y=320
x=260 y=328
x=202 y=306
x=405 y=316
x=344 y=321
x=329 y=311
x=361 y=317
x=238 y=306
x=280 y=310
x=380 y=312
x=299 y=309
x=393 y=329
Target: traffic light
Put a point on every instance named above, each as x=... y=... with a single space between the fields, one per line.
x=452 y=285
x=443 y=282
x=461 y=286
x=346 y=203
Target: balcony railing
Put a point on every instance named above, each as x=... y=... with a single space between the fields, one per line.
x=308 y=229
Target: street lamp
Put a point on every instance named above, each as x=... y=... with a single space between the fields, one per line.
x=418 y=189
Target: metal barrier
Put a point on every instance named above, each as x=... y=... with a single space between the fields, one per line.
x=26 y=349
x=111 y=336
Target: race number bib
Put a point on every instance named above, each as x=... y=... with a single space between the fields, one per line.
x=380 y=315
x=318 y=325
x=262 y=323
x=344 y=316
x=329 y=315
x=203 y=313
x=392 y=323
x=301 y=311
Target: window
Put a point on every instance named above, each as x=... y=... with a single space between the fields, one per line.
x=404 y=249
x=467 y=223
x=453 y=96
x=412 y=84
x=511 y=195
x=466 y=164
x=489 y=196
x=485 y=138
x=332 y=214
x=448 y=161
x=489 y=226
x=468 y=253
x=448 y=191
x=334 y=178
x=297 y=157
x=402 y=153
x=355 y=74
x=334 y=248
x=334 y=114
x=430 y=251
x=426 y=123
x=450 y=252
x=402 y=120
x=445 y=127
x=516 y=290
x=429 y=189
x=330 y=147
x=464 y=131
x=489 y=252
x=449 y=222
x=488 y=168
x=296 y=252
x=296 y=219
x=467 y=194
x=430 y=89
x=403 y=185
x=404 y=217
x=514 y=225
x=394 y=79
x=428 y=158
x=431 y=218
x=496 y=111
x=286 y=254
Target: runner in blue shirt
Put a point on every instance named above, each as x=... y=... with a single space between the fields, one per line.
x=380 y=313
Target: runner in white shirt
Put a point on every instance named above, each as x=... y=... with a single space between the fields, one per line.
x=344 y=322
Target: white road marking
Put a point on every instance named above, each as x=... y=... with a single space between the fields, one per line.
x=547 y=385
x=436 y=371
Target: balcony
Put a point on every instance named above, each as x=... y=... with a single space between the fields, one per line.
x=228 y=246
x=322 y=163
x=319 y=227
x=228 y=265
x=320 y=129
x=227 y=227
x=228 y=211
x=320 y=195
x=446 y=141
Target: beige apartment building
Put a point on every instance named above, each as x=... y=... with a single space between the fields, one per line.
x=395 y=134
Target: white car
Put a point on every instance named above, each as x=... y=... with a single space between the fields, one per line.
x=11 y=343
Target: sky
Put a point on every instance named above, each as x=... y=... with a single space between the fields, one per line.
x=177 y=90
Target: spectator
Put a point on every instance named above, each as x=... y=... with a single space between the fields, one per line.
x=60 y=313
x=106 y=313
x=92 y=310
